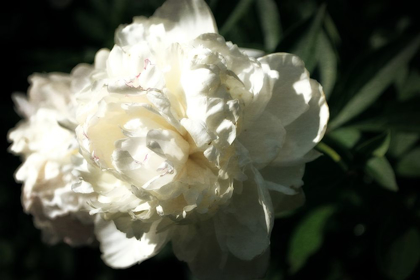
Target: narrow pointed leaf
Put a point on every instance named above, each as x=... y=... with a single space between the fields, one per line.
x=374 y=88
x=302 y=40
x=346 y=137
x=403 y=255
x=327 y=64
x=381 y=171
x=411 y=86
x=235 y=16
x=331 y=30
x=409 y=165
x=402 y=142
x=308 y=237
x=377 y=146
x=402 y=117
x=270 y=23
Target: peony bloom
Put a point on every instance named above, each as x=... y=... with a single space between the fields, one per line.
x=175 y=135
x=46 y=141
x=188 y=140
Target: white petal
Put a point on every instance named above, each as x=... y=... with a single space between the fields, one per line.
x=289 y=176
x=291 y=90
x=199 y=247
x=100 y=58
x=263 y=139
x=305 y=132
x=23 y=107
x=186 y=19
x=118 y=251
x=280 y=188
x=285 y=202
x=252 y=52
x=245 y=226
x=199 y=132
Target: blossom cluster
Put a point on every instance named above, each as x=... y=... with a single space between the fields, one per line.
x=173 y=136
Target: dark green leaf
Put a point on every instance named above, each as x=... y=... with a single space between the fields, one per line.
x=381 y=171
x=377 y=146
x=409 y=165
x=401 y=78
x=403 y=255
x=347 y=137
x=401 y=142
x=327 y=64
x=302 y=40
x=411 y=87
x=374 y=87
x=331 y=30
x=235 y=16
x=308 y=237
x=270 y=23
x=399 y=117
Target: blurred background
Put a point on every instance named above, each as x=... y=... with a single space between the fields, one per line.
x=362 y=215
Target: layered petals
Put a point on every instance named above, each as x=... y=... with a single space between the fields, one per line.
x=118 y=251
x=174 y=135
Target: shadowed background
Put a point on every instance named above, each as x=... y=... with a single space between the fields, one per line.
x=362 y=215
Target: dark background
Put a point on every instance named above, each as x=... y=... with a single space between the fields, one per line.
x=353 y=226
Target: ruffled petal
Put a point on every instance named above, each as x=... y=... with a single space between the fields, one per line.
x=118 y=251
x=290 y=176
x=184 y=20
x=199 y=247
x=285 y=184
x=263 y=139
x=245 y=226
x=292 y=89
x=305 y=132
x=283 y=202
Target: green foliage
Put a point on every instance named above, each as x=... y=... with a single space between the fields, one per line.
x=403 y=256
x=376 y=146
x=409 y=164
x=303 y=39
x=307 y=237
x=239 y=12
x=371 y=90
x=270 y=23
x=381 y=171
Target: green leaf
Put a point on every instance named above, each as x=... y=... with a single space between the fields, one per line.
x=401 y=78
x=409 y=165
x=410 y=87
x=347 y=137
x=399 y=117
x=401 y=142
x=368 y=94
x=381 y=171
x=308 y=237
x=239 y=11
x=270 y=23
x=331 y=30
x=403 y=255
x=327 y=64
x=302 y=40
x=377 y=146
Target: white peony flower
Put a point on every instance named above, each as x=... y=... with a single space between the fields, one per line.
x=46 y=141
x=188 y=140
x=183 y=138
